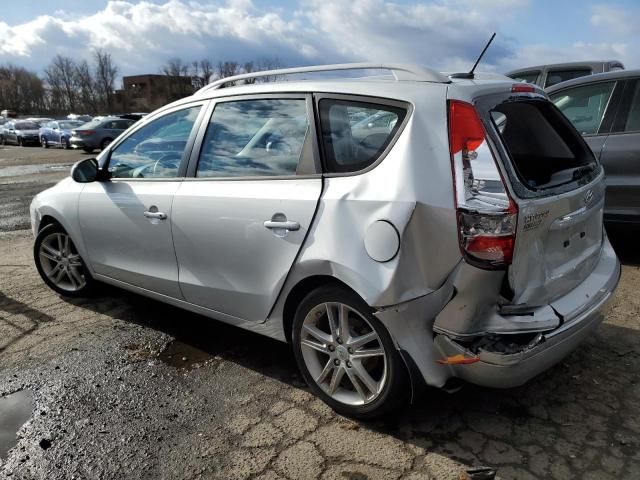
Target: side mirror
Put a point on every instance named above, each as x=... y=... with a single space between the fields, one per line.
x=85 y=171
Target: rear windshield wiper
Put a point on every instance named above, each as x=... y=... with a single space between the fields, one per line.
x=580 y=172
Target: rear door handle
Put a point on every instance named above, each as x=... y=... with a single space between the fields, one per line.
x=286 y=225
x=158 y=215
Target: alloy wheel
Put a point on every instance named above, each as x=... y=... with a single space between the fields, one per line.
x=343 y=353
x=61 y=262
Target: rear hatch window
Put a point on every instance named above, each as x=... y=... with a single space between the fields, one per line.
x=544 y=148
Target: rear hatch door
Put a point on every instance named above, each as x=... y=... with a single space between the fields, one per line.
x=559 y=189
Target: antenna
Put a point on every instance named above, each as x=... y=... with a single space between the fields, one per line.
x=470 y=73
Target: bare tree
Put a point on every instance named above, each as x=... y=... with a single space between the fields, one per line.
x=228 y=69
x=175 y=67
x=88 y=95
x=177 y=82
x=266 y=63
x=105 y=77
x=61 y=77
x=21 y=90
x=207 y=70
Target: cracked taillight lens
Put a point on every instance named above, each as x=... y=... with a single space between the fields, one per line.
x=487 y=216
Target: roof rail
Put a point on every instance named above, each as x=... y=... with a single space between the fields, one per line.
x=401 y=72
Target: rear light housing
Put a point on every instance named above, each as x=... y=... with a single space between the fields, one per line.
x=85 y=133
x=523 y=88
x=487 y=216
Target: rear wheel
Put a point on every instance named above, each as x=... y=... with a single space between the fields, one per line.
x=44 y=143
x=20 y=142
x=65 y=143
x=346 y=355
x=59 y=263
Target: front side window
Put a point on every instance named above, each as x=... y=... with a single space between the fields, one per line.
x=558 y=76
x=585 y=105
x=356 y=133
x=155 y=150
x=247 y=138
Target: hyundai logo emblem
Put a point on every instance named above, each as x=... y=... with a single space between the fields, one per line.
x=588 y=197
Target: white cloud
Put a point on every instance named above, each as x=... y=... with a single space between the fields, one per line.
x=446 y=34
x=616 y=21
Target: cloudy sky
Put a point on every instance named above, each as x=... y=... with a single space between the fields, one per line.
x=446 y=34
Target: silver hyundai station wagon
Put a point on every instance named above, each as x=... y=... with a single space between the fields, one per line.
x=397 y=230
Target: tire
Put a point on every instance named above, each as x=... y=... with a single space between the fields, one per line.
x=323 y=357
x=105 y=143
x=20 y=142
x=88 y=150
x=44 y=143
x=65 y=143
x=59 y=264
x=2 y=141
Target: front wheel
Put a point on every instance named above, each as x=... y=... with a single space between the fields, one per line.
x=44 y=143
x=59 y=263
x=346 y=355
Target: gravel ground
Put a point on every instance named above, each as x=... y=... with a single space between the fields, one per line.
x=125 y=387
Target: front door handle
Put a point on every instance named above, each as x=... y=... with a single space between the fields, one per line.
x=158 y=215
x=285 y=225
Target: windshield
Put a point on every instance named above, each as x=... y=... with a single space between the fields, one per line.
x=69 y=124
x=26 y=126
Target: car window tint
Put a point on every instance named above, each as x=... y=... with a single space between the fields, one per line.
x=151 y=152
x=558 y=76
x=585 y=105
x=527 y=77
x=356 y=133
x=633 y=119
x=250 y=138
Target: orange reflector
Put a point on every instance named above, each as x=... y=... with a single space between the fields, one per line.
x=458 y=360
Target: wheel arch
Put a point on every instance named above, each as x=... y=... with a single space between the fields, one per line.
x=301 y=290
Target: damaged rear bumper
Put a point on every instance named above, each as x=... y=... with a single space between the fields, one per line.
x=571 y=319
x=583 y=309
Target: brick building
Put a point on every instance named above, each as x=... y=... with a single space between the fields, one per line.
x=144 y=93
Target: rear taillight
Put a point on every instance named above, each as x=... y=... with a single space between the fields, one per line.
x=486 y=214
x=85 y=133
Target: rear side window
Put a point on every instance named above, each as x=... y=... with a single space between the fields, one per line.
x=544 y=148
x=355 y=134
x=558 y=76
x=584 y=105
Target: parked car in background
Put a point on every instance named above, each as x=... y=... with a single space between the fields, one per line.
x=462 y=240
x=58 y=132
x=605 y=109
x=20 y=132
x=40 y=121
x=82 y=118
x=549 y=75
x=8 y=114
x=98 y=133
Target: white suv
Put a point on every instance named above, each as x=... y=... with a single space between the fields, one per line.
x=397 y=230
